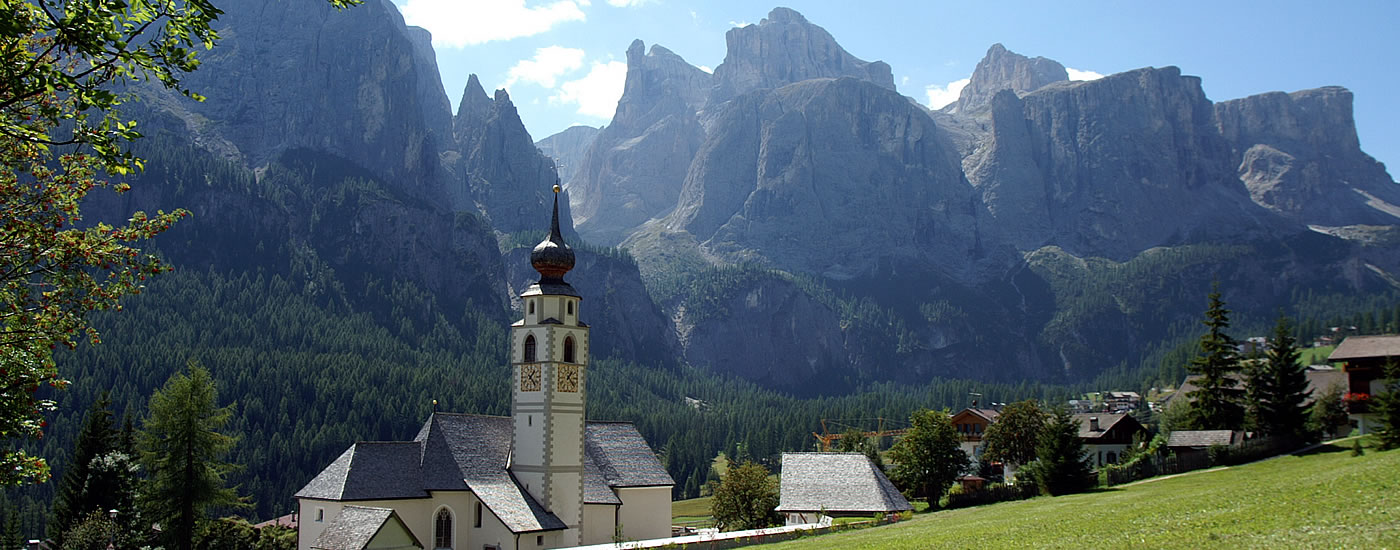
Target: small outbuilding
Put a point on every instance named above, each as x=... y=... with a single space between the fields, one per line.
x=366 y=528
x=835 y=485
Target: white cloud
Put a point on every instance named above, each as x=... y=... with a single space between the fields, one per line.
x=1076 y=74
x=627 y=3
x=904 y=81
x=458 y=23
x=548 y=64
x=597 y=93
x=941 y=96
x=707 y=69
x=733 y=23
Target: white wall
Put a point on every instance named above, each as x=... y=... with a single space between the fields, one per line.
x=645 y=512
x=417 y=514
x=598 y=523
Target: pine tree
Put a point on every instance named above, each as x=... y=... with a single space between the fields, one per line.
x=182 y=450
x=1387 y=407
x=1059 y=467
x=80 y=492
x=1216 y=405
x=1278 y=387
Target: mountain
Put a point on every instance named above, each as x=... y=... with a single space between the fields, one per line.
x=1002 y=69
x=567 y=149
x=784 y=48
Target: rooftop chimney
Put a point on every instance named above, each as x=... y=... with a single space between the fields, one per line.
x=1094 y=423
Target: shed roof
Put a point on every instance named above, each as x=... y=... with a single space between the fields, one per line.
x=356 y=526
x=1367 y=347
x=1203 y=438
x=467 y=452
x=836 y=482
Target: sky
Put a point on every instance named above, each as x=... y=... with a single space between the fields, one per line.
x=563 y=62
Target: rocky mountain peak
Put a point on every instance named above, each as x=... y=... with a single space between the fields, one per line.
x=785 y=48
x=1003 y=69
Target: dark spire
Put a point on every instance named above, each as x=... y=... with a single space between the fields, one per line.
x=553 y=257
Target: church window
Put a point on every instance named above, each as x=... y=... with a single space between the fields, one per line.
x=532 y=307
x=539 y=540
x=478 y=514
x=442 y=529
x=571 y=308
x=569 y=349
x=320 y=514
x=529 y=348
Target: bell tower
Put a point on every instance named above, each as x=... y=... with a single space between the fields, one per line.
x=549 y=356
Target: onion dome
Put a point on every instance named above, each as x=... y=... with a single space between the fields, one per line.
x=553 y=257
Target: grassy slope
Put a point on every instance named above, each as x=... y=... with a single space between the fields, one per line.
x=1328 y=499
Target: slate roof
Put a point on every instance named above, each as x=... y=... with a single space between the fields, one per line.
x=836 y=482
x=1106 y=423
x=355 y=527
x=1367 y=347
x=467 y=452
x=1203 y=438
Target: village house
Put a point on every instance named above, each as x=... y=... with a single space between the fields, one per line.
x=1363 y=360
x=971 y=424
x=813 y=485
x=542 y=477
x=1106 y=436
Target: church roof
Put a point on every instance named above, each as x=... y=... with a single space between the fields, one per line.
x=836 y=482
x=467 y=452
x=355 y=527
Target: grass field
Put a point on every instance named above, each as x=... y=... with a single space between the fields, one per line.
x=1325 y=499
x=694 y=512
x=1314 y=356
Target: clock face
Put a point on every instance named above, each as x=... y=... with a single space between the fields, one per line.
x=530 y=378
x=568 y=378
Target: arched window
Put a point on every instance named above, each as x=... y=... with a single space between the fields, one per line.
x=532 y=307
x=529 y=348
x=442 y=529
x=569 y=349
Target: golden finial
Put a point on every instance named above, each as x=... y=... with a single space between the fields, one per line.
x=557 y=188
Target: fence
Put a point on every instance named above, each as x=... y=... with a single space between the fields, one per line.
x=1220 y=455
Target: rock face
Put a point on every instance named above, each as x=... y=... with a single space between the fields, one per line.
x=634 y=169
x=782 y=49
x=1112 y=167
x=567 y=149
x=829 y=177
x=1002 y=69
x=301 y=74
x=496 y=170
x=1299 y=156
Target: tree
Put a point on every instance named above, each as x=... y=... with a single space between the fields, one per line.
x=854 y=441
x=1216 y=404
x=927 y=459
x=1012 y=439
x=1059 y=467
x=1328 y=412
x=746 y=498
x=64 y=69
x=1387 y=407
x=79 y=491
x=1278 y=387
x=182 y=450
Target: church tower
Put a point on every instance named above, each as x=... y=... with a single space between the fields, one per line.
x=549 y=356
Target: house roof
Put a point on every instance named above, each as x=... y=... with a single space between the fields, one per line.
x=467 y=452
x=1367 y=347
x=1203 y=438
x=1106 y=423
x=836 y=482
x=355 y=527
x=990 y=415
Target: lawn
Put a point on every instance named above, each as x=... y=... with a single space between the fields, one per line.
x=1326 y=499
x=694 y=512
x=1315 y=356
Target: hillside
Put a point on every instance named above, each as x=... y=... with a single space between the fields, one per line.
x=1323 y=499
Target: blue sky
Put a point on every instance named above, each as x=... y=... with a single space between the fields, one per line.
x=563 y=61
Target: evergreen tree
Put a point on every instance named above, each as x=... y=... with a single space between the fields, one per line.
x=1217 y=403
x=1059 y=467
x=1278 y=387
x=79 y=491
x=13 y=539
x=182 y=450
x=1387 y=407
x=928 y=459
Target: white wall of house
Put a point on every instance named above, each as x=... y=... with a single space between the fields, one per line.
x=801 y=518
x=645 y=512
x=391 y=537
x=1098 y=455
x=599 y=521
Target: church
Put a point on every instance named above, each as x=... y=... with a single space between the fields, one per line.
x=543 y=477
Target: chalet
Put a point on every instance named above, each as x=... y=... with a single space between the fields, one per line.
x=972 y=424
x=1188 y=442
x=813 y=485
x=1121 y=401
x=1107 y=435
x=1363 y=360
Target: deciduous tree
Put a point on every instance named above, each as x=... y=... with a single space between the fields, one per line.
x=1012 y=439
x=927 y=459
x=746 y=498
